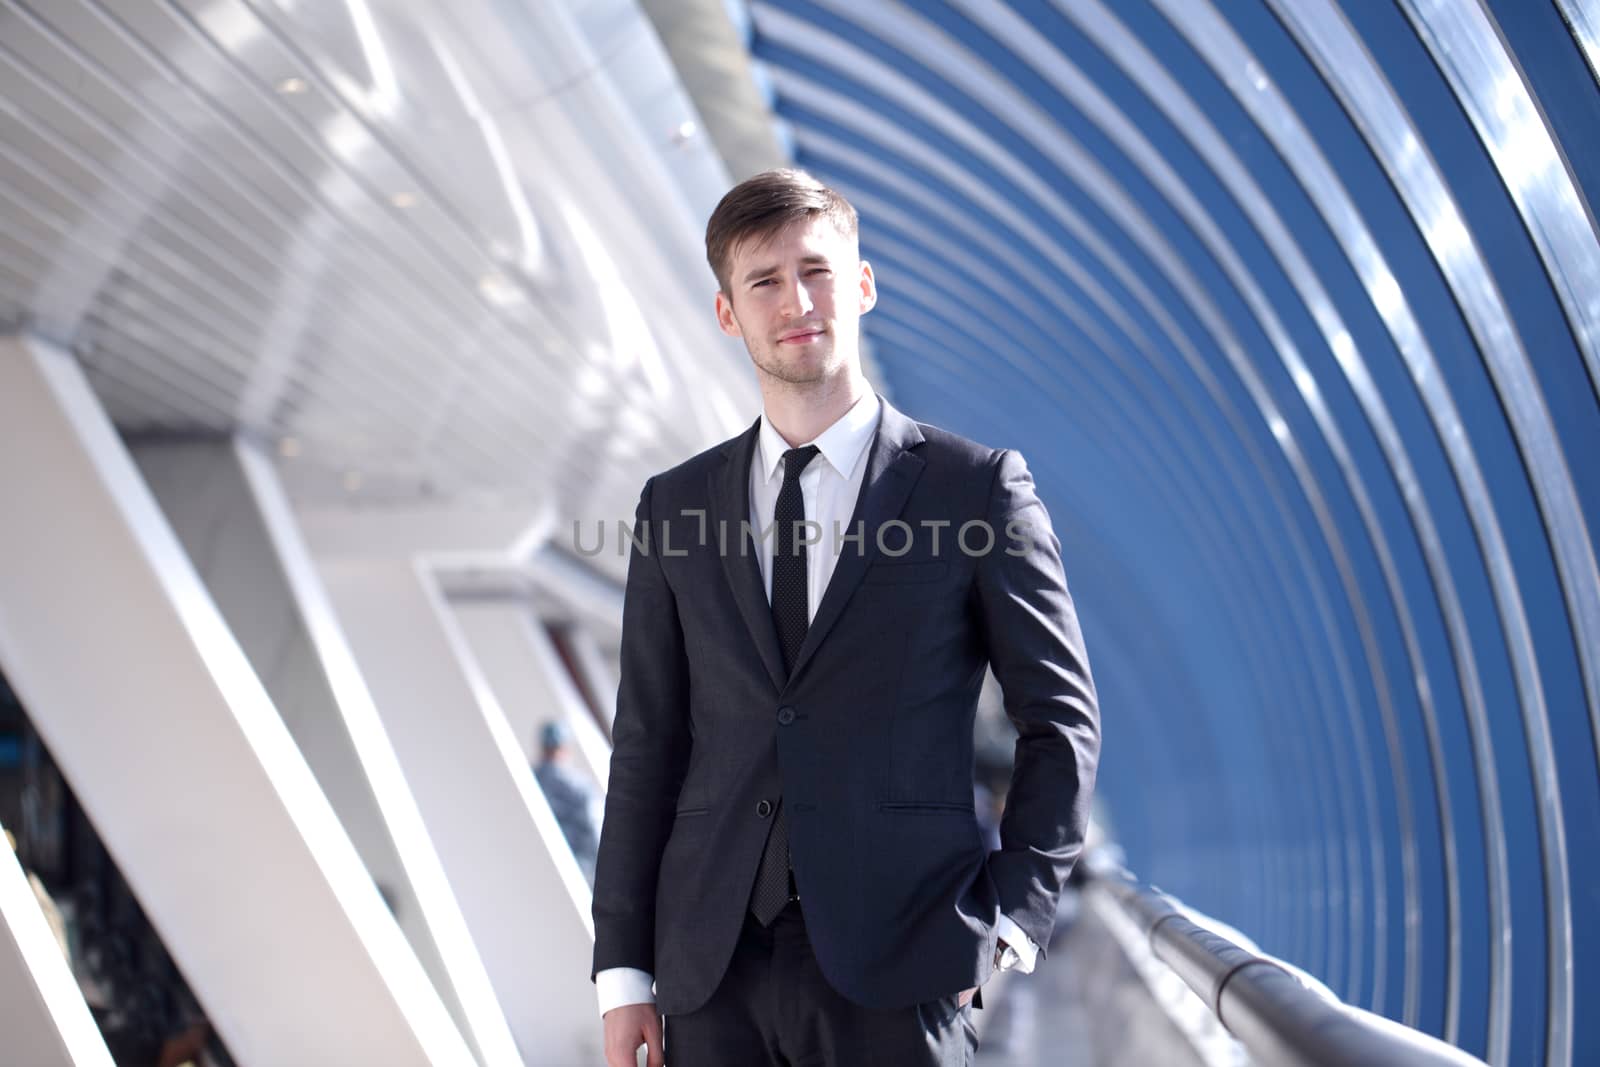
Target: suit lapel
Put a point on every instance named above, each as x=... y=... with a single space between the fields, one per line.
x=892 y=471
x=730 y=506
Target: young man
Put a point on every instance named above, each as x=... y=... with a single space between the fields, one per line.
x=790 y=852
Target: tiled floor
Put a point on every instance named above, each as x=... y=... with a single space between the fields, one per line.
x=1084 y=1007
x=1035 y=1022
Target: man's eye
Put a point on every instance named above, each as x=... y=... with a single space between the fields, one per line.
x=763 y=281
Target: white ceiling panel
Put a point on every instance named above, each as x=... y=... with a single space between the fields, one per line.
x=425 y=254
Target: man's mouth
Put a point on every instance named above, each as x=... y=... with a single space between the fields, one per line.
x=800 y=337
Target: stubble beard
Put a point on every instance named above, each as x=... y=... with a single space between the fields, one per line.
x=799 y=372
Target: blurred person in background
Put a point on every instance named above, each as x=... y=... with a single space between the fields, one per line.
x=573 y=799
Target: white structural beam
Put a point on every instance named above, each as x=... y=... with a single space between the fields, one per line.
x=174 y=749
x=524 y=897
x=597 y=670
x=225 y=502
x=43 y=1019
x=585 y=595
x=530 y=679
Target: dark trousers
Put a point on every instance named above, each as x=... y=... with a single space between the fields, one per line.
x=774 y=1007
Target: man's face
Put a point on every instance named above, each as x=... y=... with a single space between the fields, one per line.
x=797 y=299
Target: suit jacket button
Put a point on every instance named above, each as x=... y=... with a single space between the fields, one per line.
x=785 y=716
x=764 y=808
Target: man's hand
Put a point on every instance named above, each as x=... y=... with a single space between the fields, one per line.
x=1000 y=950
x=626 y=1029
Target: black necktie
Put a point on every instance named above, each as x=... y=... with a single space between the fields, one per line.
x=789 y=612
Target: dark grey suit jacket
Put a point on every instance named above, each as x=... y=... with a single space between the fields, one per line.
x=868 y=741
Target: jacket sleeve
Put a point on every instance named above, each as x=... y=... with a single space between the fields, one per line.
x=1037 y=653
x=650 y=754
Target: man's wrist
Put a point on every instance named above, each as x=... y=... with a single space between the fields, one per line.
x=1023 y=952
x=617 y=987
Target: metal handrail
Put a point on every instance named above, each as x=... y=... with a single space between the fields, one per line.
x=1264 y=1004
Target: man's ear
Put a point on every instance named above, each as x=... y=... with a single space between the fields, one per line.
x=869 y=288
x=725 y=319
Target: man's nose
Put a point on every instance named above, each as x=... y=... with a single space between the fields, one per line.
x=797 y=298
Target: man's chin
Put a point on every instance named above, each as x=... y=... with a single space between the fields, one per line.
x=799 y=372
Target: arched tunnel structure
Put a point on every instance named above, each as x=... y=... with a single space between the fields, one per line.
x=1293 y=307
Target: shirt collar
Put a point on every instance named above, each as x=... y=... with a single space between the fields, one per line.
x=840 y=444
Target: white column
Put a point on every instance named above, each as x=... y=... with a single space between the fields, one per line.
x=226 y=504
x=43 y=1018
x=176 y=753
x=523 y=895
x=596 y=668
x=532 y=683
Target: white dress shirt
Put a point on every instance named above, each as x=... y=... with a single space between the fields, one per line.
x=829 y=485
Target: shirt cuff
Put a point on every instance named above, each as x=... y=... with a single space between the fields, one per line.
x=617 y=986
x=1011 y=934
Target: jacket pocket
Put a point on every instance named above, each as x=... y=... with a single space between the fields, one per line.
x=931 y=807
x=687 y=813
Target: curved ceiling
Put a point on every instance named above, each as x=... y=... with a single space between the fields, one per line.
x=405 y=247
x=1294 y=308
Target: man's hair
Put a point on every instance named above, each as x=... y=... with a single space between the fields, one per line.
x=758 y=208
